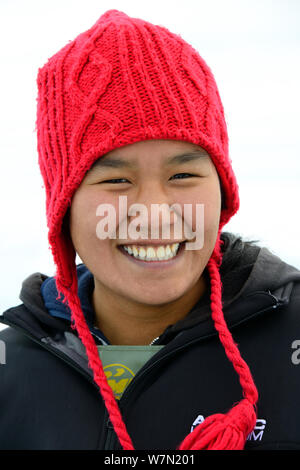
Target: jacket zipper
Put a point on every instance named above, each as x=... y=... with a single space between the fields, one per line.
x=111 y=439
x=155 y=339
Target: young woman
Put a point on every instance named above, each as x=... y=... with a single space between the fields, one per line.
x=186 y=340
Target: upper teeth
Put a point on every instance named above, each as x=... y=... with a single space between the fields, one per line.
x=149 y=252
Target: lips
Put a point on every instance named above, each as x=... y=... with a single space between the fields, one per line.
x=150 y=262
x=152 y=242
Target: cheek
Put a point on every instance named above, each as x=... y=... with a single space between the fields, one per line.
x=204 y=209
x=212 y=212
x=205 y=225
x=84 y=218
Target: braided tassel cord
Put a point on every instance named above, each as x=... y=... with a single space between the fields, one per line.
x=96 y=365
x=225 y=431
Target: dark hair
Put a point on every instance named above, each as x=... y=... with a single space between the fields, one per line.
x=66 y=224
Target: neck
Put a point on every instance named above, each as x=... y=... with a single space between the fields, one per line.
x=125 y=322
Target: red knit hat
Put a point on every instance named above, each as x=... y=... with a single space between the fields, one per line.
x=122 y=81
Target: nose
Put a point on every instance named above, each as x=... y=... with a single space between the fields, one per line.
x=155 y=212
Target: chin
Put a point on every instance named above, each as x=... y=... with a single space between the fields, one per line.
x=157 y=299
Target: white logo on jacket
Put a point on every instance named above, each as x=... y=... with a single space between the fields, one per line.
x=255 y=435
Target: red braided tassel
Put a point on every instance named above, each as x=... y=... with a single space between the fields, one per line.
x=223 y=431
x=95 y=363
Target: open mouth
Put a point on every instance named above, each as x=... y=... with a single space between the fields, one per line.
x=151 y=254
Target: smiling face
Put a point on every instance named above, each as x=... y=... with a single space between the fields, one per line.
x=147 y=172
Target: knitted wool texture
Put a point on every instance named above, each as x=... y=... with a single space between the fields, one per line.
x=122 y=81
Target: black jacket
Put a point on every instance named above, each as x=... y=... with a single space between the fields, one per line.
x=50 y=401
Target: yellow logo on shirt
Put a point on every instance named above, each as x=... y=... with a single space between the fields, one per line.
x=118 y=377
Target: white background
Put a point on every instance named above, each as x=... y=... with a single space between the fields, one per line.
x=252 y=47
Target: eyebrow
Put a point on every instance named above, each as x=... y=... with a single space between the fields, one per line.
x=115 y=162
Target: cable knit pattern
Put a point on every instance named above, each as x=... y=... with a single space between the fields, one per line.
x=122 y=81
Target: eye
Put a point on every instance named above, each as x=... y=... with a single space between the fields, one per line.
x=124 y=180
x=183 y=175
x=116 y=180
